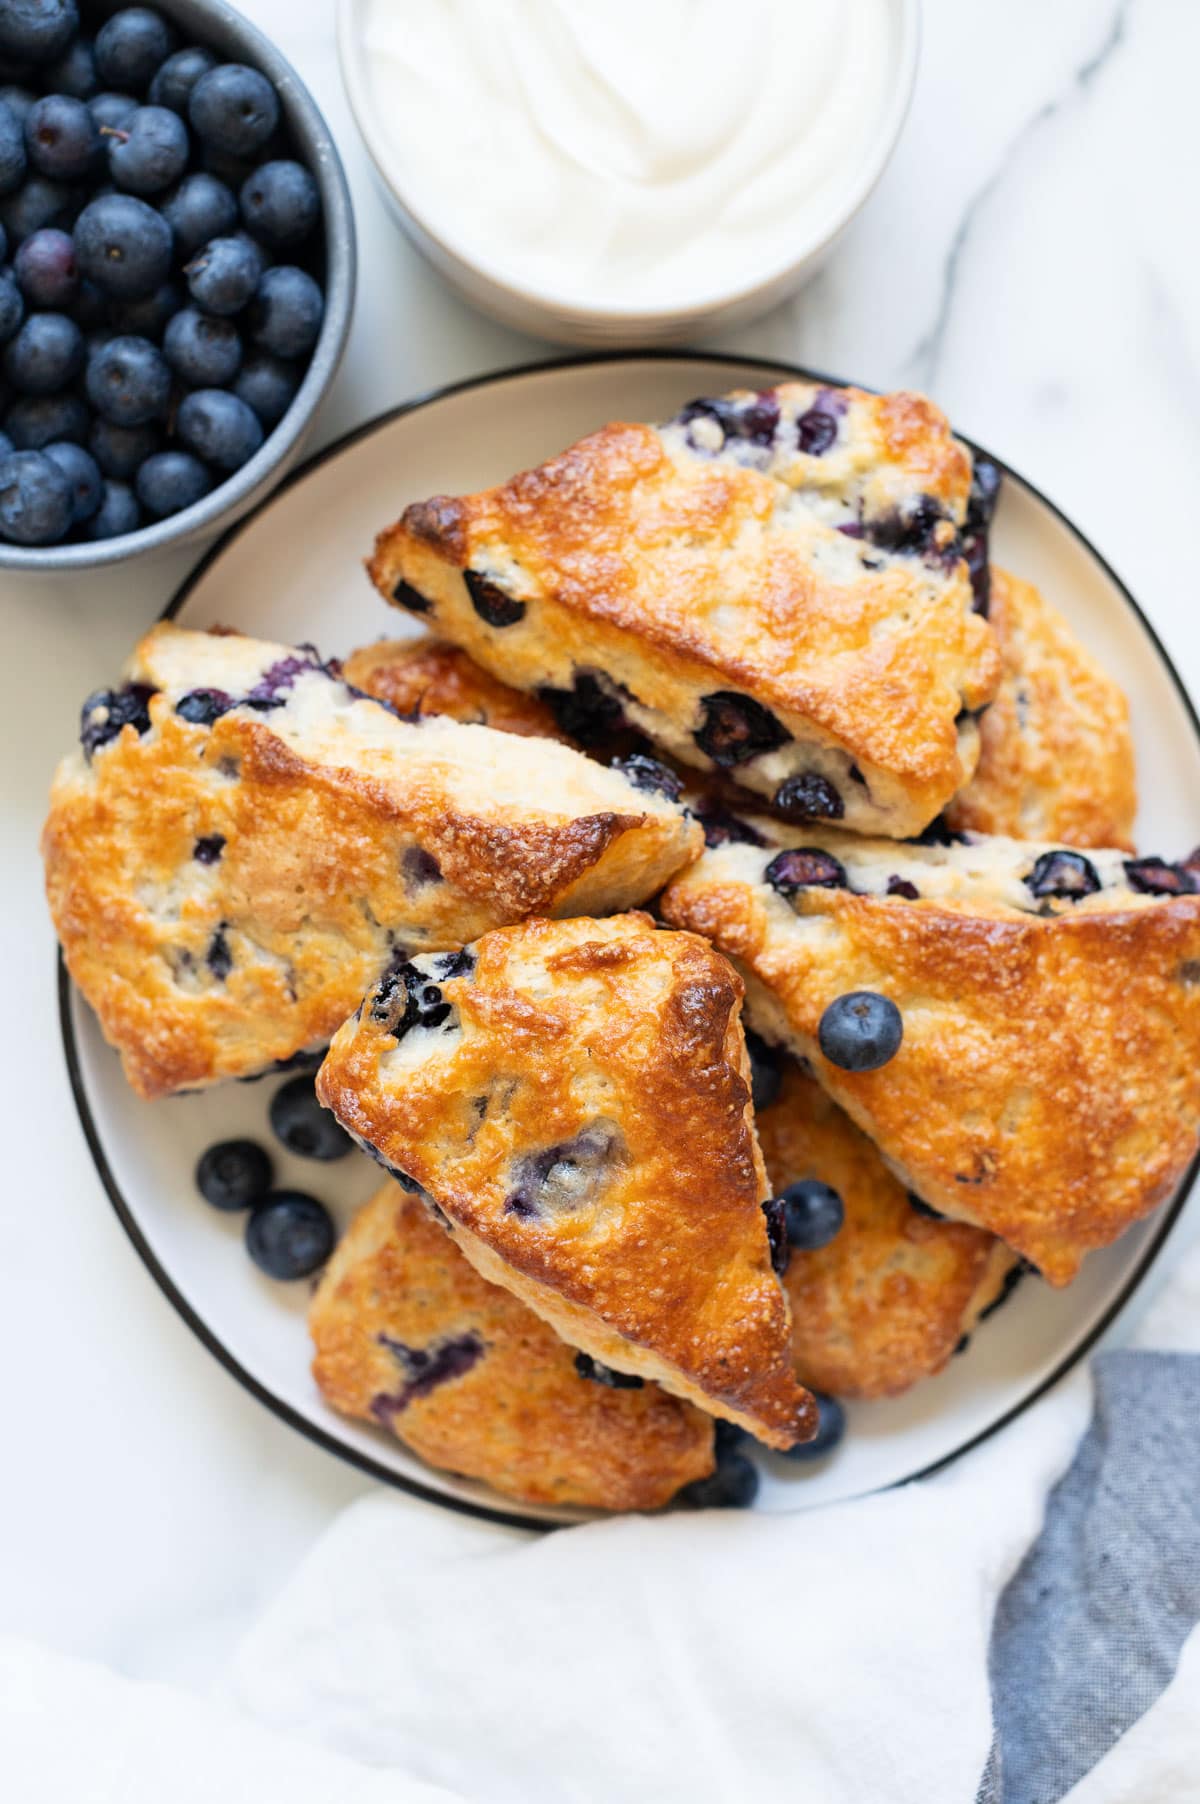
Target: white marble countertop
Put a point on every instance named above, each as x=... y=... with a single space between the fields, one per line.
x=1029 y=257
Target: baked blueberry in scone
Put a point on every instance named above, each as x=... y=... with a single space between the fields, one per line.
x=1056 y=759
x=242 y=845
x=885 y=1301
x=428 y=676
x=573 y=1097
x=409 y=1336
x=1043 y=1077
x=776 y=585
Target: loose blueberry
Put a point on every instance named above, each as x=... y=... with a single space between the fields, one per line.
x=38 y=202
x=201 y=707
x=268 y=385
x=280 y=204
x=234 y=1174
x=200 y=209
x=150 y=152
x=233 y=109
x=118 y=513
x=61 y=139
x=45 y=269
x=74 y=72
x=304 y=1127
x=44 y=355
x=204 y=352
x=860 y=1031
x=809 y=797
x=79 y=468
x=12 y=149
x=36 y=31
x=169 y=481
x=208 y=848
x=224 y=275
x=35 y=500
x=733 y=1486
x=587 y=1367
x=148 y=316
x=289 y=1235
x=1155 y=877
x=35 y=421
x=648 y=775
x=18 y=100
x=831 y=1427
x=6 y=446
x=765 y=1073
x=814 y=1212
x=815 y=432
x=106 y=712
x=131 y=47
x=777 y=1234
x=128 y=382
x=287 y=311
x=805 y=867
x=113 y=111
x=218 y=427
x=1068 y=875
x=120 y=450
x=174 y=81
x=123 y=246
x=12 y=308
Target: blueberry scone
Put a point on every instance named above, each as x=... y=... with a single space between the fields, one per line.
x=886 y=1302
x=789 y=586
x=573 y=1099
x=425 y=675
x=242 y=844
x=409 y=1336
x=1056 y=759
x=1045 y=1083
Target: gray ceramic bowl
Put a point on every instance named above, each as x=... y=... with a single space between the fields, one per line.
x=232 y=36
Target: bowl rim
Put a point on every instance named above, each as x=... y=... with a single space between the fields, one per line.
x=511 y=1513
x=566 y=313
x=229 y=31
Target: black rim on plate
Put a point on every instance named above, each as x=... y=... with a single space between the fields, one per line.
x=1167 y=1215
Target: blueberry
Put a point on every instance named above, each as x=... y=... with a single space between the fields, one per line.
x=128 y=381
x=280 y=204
x=38 y=202
x=36 y=421
x=815 y=432
x=208 y=848
x=35 y=500
x=937 y=833
x=900 y=886
x=131 y=47
x=118 y=513
x=61 y=140
x=74 y=72
x=736 y=728
x=150 y=152
x=986 y=480
x=1155 y=877
x=169 y=481
x=809 y=797
x=119 y=450
x=765 y=1073
x=268 y=385
x=147 y=316
x=174 y=81
x=805 y=867
x=831 y=1426
x=44 y=355
x=304 y=1127
x=37 y=31
x=563 y=1177
x=201 y=208
x=107 y=712
x=204 y=352
x=588 y=711
x=289 y=1235
x=286 y=319
x=860 y=1031
x=45 y=269
x=6 y=446
x=649 y=775
x=234 y=1174
x=755 y=421
x=587 y=1367
x=917 y=529
x=18 y=100
x=202 y=706
x=112 y=111
x=12 y=308
x=218 y=428
x=224 y=275
x=733 y=1486
x=12 y=149
x=815 y=1213
x=80 y=470
x=1068 y=875
x=233 y=109
x=123 y=246
x=777 y=1234
x=722 y=828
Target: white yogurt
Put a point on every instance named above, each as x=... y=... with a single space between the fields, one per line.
x=630 y=152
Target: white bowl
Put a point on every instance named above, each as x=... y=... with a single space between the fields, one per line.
x=531 y=308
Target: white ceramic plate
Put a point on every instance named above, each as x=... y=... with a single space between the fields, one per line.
x=293 y=571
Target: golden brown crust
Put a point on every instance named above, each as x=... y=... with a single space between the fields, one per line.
x=319 y=818
x=1056 y=754
x=429 y=676
x=886 y=1303
x=398 y=1305
x=678 y=576
x=583 y=1119
x=1048 y=1083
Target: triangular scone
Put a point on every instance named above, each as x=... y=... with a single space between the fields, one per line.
x=1047 y=1086
x=409 y=1336
x=430 y=676
x=573 y=1096
x=778 y=585
x=242 y=843
x=1056 y=759
x=889 y=1299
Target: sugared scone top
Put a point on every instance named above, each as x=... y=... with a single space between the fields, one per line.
x=410 y=1337
x=241 y=843
x=1041 y=1078
x=573 y=1097
x=775 y=584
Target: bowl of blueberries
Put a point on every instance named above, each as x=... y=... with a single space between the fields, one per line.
x=176 y=274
